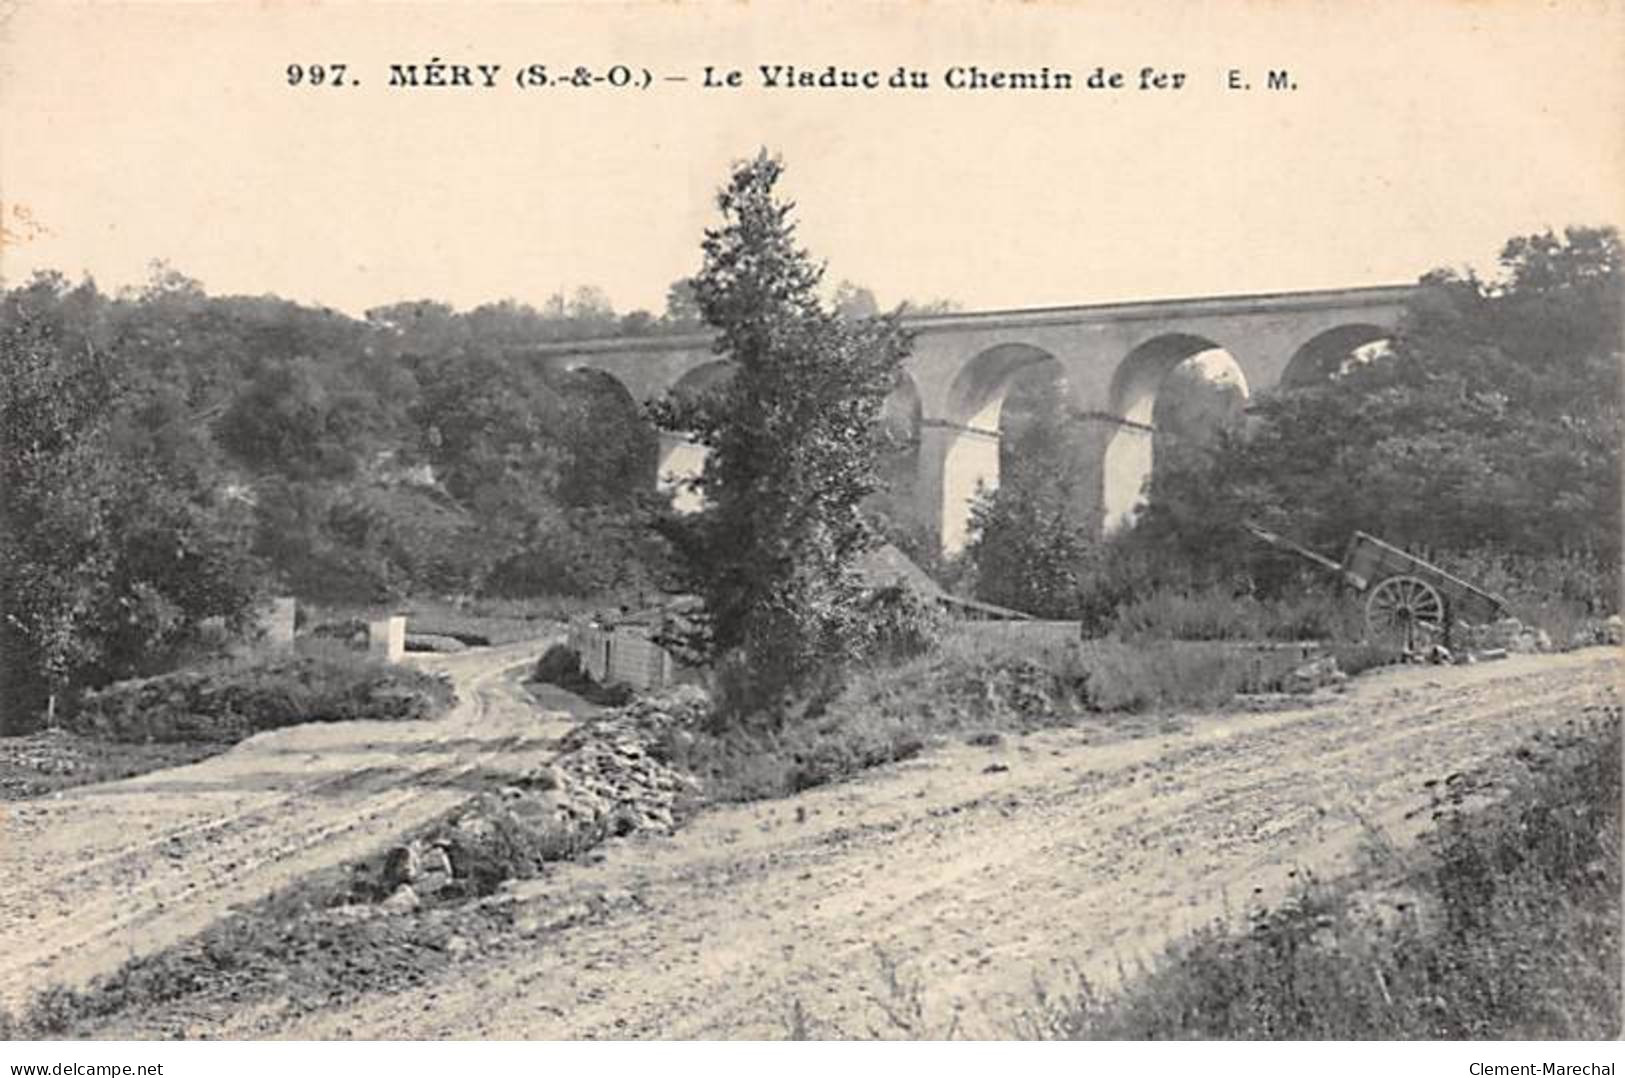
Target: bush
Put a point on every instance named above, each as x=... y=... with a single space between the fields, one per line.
x=561 y=665
x=902 y=623
x=230 y=701
x=1563 y=595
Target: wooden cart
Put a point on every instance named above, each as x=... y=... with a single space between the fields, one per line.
x=1409 y=602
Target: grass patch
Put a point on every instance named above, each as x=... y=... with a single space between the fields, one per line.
x=1217 y=614
x=982 y=682
x=1504 y=923
x=35 y=765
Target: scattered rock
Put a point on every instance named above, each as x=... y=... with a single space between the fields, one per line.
x=433 y=642
x=1530 y=642
x=612 y=778
x=1388 y=909
x=1313 y=675
x=403 y=900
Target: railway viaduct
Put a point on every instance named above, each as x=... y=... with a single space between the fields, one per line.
x=1111 y=360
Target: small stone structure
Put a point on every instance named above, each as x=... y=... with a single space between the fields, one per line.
x=621 y=654
x=277 y=622
x=386 y=638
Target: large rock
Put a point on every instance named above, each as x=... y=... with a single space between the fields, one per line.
x=403 y=900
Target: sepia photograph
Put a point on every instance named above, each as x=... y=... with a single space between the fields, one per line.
x=692 y=520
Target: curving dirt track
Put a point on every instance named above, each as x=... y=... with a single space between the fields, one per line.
x=98 y=874
x=978 y=869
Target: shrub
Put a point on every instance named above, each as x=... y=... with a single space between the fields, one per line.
x=558 y=665
x=794 y=443
x=1564 y=595
x=230 y=701
x=902 y=623
x=561 y=665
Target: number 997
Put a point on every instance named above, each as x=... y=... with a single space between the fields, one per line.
x=316 y=74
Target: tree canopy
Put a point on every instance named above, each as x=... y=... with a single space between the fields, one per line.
x=1491 y=423
x=793 y=439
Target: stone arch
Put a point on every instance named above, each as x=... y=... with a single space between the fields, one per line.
x=1130 y=453
x=702 y=378
x=682 y=460
x=1329 y=353
x=976 y=398
x=621 y=447
x=959 y=454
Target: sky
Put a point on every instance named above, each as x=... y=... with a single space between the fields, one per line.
x=1420 y=134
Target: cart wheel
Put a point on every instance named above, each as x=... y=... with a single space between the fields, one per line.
x=1404 y=610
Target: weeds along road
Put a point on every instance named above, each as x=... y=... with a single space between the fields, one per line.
x=976 y=869
x=102 y=873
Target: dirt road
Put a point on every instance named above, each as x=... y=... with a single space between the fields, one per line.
x=98 y=874
x=978 y=869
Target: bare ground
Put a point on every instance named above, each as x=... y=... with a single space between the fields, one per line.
x=979 y=870
x=93 y=876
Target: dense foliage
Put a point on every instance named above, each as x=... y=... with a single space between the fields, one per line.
x=793 y=438
x=169 y=457
x=1489 y=431
x=1493 y=421
x=1032 y=549
x=226 y=702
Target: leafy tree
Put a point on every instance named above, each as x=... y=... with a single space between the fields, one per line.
x=110 y=560
x=1029 y=552
x=854 y=301
x=683 y=306
x=1493 y=422
x=1031 y=542
x=792 y=439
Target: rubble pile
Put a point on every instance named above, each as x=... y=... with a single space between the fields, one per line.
x=34 y=763
x=611 y=778
x=1509 y=635
x=1313 y=675
x=1609 y=631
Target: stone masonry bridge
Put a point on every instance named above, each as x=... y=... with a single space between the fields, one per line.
x=1111 y=358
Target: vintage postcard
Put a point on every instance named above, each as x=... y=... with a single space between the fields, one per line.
x=752 y=521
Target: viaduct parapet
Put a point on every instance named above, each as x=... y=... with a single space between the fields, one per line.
x=1113 y=359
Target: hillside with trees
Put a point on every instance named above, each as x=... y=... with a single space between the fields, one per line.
x=170 y=457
